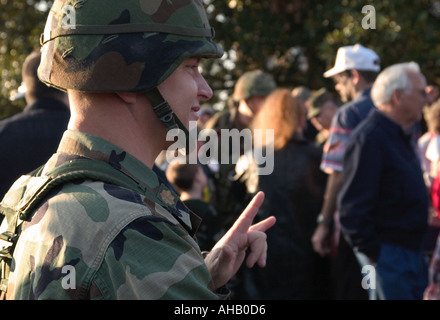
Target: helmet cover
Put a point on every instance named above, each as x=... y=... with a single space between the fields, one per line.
x=113 y=45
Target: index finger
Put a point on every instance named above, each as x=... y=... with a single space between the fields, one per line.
x=245 y=220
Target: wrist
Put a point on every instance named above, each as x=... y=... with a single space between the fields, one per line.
x=321 y=219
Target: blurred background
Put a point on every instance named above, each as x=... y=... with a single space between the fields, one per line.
x=295 y=40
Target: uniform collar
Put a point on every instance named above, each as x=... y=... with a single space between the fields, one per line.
x=89 y=146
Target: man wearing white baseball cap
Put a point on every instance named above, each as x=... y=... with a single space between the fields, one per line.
x=354 y=72
x=355 y=57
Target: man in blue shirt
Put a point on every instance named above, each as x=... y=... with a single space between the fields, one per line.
x=354 y=72
x=383 y=203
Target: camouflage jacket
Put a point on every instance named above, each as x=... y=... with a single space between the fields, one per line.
x=93 y=240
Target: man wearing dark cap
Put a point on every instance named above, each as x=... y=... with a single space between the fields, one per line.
x=321 y=107
x=250 y=91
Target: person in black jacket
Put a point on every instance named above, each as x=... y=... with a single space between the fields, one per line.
x=294 y=195
x=29 y=138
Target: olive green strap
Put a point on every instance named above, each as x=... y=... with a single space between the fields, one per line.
x=164 y=112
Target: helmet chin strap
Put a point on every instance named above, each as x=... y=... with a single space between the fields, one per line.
x=165 y=114
x=163 y=111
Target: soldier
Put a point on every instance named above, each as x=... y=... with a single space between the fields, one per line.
x=131 y=72
x=249 y=94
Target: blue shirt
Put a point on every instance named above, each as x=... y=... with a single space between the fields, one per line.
x=383 y=198
x=346 y=119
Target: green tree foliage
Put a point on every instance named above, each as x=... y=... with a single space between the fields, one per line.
x=20 y=29
x=295 y=40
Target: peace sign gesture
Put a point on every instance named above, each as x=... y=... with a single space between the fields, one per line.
x=228 y=254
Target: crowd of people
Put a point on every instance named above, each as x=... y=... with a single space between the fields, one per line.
x=348 y=186
x=354 y=182
x=355 y=179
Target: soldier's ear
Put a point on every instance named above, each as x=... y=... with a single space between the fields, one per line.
x=127 y=97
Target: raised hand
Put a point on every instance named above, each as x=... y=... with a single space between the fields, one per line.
x=228 y=254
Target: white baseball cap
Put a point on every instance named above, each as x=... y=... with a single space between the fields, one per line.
x=355 y=57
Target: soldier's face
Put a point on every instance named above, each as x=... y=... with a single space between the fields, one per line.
x=184 y=89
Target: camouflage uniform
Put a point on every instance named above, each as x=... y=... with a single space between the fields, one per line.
x=118 y=242
x=94 y=240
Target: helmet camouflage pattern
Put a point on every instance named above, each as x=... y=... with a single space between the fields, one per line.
x=114 y=45
x=253 y=83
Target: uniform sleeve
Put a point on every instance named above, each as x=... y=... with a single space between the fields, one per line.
x=153 y=259
x=359 y=193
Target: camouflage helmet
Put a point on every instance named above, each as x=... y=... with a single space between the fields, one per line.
x=253 y=83
x=113 y=45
